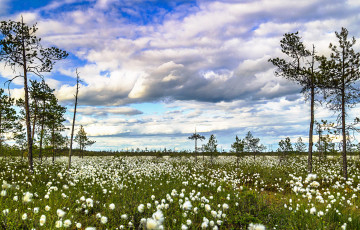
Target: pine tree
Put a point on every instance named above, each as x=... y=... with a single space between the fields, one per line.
x=82 y=140
x=342 y=73
x=211 y=146
x=238 y=148
x=7 y=116
x=300 y=146
x=54 y=122
x=195 y=136
x=300 y=68
x=252 y=144
x=19 y=47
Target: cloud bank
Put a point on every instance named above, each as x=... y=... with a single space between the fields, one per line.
x=205 y=62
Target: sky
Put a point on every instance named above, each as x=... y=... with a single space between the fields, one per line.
x=152 y=70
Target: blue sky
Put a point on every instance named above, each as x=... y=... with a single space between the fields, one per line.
x=152 y=70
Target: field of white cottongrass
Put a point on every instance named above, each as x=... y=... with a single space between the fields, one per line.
x=179 y=193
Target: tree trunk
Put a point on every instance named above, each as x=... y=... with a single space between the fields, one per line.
x=195 y=149
x=311 y=130
x=319 y=143
x=343 y=129
x=73 y=123
x=53 y=143
x=0 y=133
x=34 y=121
x=27 y=111
x=42 y=128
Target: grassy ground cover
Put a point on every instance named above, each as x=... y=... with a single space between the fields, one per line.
x=179 y=193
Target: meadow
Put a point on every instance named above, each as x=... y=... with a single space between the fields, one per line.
x=150 y=192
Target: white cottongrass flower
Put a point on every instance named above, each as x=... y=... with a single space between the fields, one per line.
x=36 y=209
x=16 y=198
x=124 y=216
x=28 y=197
x=111 y=206
x=3 y=193
x=141 y=208
x=343 y=227
x=89 y=202
x=104 y=219
x=184 y=227
x=5 y=185
x=256 y=227
x=158 y=216
x=187 y=205
x=225 y=206
x=24 y=216
x=67 y=223
x=90 y=228
x=60 y=213
x=58 y=224
x=310 y=177
x=313 y=211
x=47 y=208
x=188 y=222
x=42 y=220
x=204 y=225
x=207 y=207
x=314 y=184
x=5 y=212
x=78 y=225
x=151 y=223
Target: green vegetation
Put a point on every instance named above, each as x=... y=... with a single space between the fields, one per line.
x=119 y=192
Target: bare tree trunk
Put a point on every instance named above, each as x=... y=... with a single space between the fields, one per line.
x=237 y=159
x=0 y=134
x=312 y=113
x=319 y=143
x=27 y=110
x=343 y=129
x=53 y=143
x=195 y=148
x=73 y=123
x=42 y=128
x=34 y=121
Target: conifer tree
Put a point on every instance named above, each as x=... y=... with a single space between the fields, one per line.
x=20 y=47
x=82 y=140
x=300 y=67
x=7 y=116
x=341 y=72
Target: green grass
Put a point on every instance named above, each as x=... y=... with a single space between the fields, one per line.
x=255 y=191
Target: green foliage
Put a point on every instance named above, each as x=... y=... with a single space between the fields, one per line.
x=238 y=146
x=252 y=144
x=341 y=73
x=257 y=192
x=19 y=38
x=285 y=146
x=211 y=146
x=82 y=139
x=8 y=116
x=195 y=136
x=300 y=146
